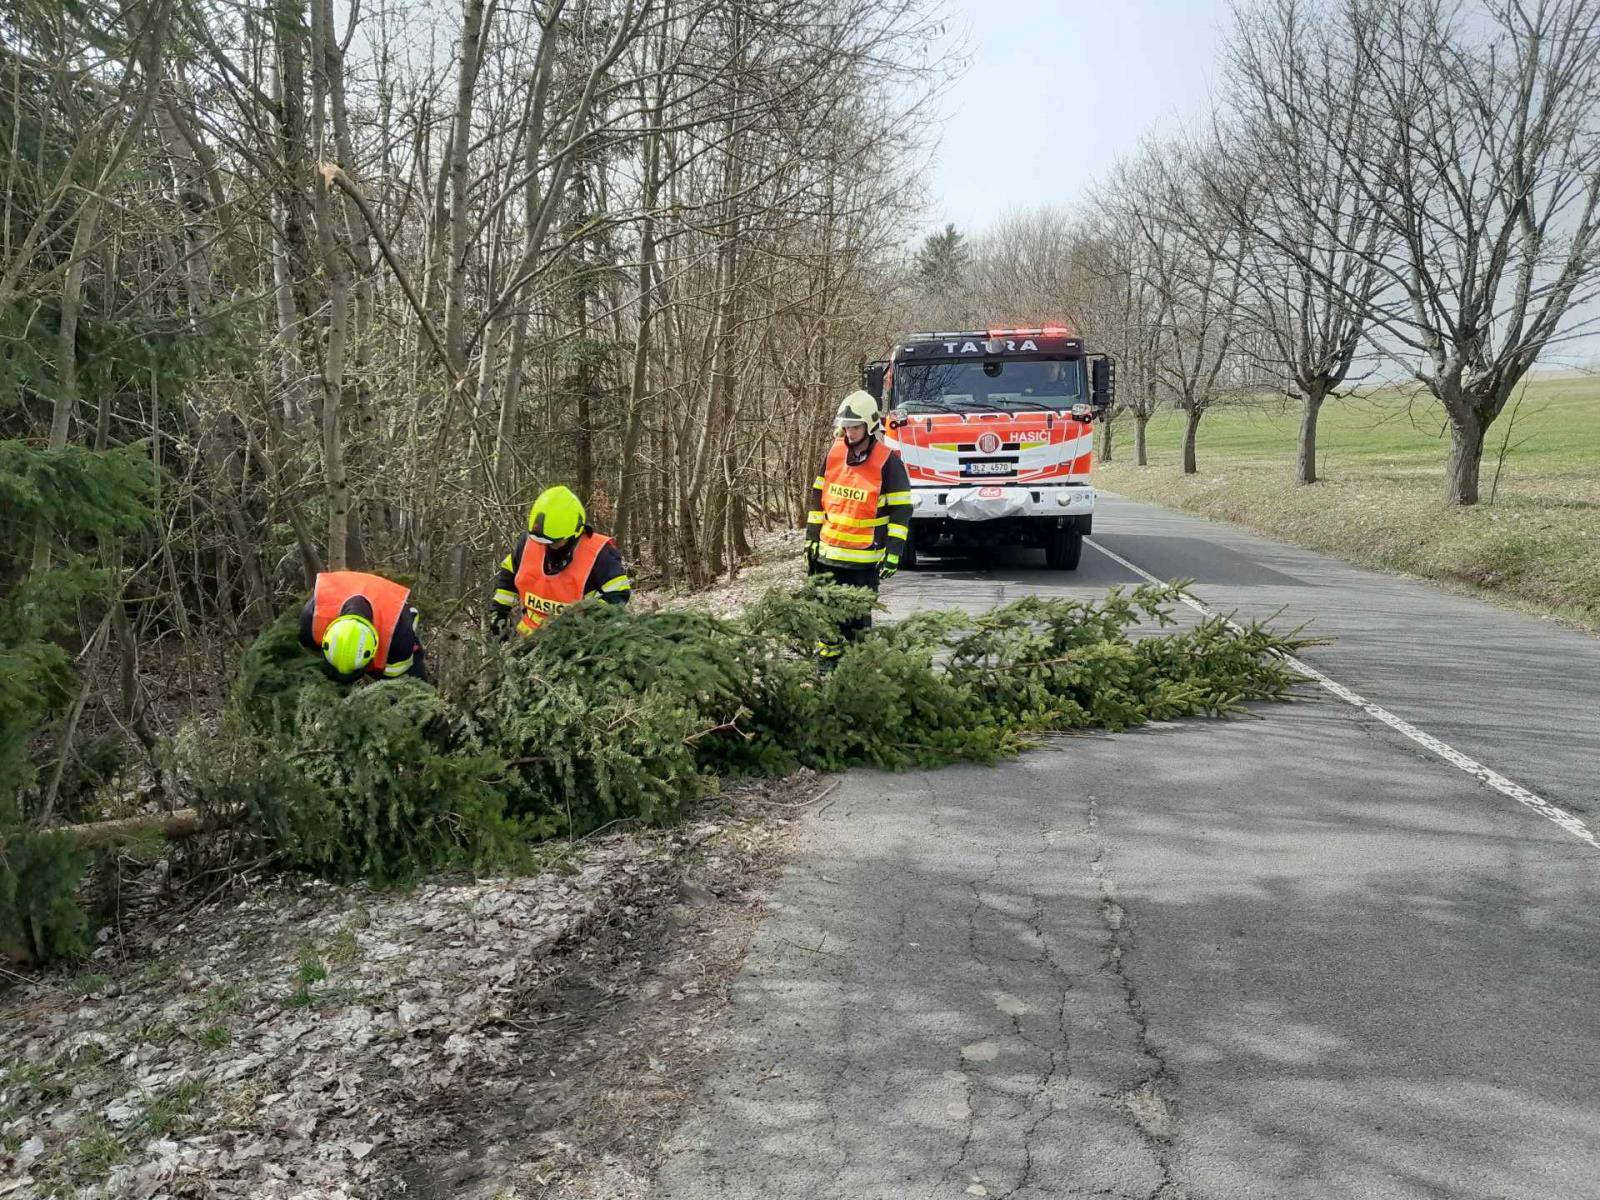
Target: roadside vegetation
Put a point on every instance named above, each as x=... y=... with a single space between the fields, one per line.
x=614 y=715
x=1533 y=540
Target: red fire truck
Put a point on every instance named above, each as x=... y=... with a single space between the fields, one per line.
x=996 y=430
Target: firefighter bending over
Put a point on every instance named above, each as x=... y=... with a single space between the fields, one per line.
x=860 y=512
x=363 y=624
x=558 y=562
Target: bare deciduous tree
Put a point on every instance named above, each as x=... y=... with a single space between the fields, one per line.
x=368 y=277
x=1187 y=253
x=1480 y=155
x=1277 y=165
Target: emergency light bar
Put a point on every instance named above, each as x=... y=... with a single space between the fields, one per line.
x=1046 y=331
x=1049 y=331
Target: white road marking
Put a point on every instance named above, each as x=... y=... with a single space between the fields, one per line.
x=1506 y=787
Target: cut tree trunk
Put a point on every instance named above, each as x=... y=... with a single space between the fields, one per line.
x=172 y=826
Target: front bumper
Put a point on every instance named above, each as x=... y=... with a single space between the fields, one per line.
x=991 y=502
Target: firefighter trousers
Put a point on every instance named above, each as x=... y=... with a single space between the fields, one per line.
x=849 y=630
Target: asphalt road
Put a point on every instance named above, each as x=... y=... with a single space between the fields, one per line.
x=1302 y=956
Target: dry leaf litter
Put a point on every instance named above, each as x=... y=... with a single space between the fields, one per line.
x=277 y=1047
x=284 y=1046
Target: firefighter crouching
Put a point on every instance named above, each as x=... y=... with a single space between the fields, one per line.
x=363 y=624
x=558 y=562
x=860 y=512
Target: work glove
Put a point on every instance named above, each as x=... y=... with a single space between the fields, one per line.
x=505 y=625
x=812 y=550
x=890 y=568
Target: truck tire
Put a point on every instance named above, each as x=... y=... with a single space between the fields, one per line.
x=1064 y=549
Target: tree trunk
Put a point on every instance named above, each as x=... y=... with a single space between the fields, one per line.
x=1466 y=456
x=66 y=402
x=510 y=393
x=638 y=379
x=329 y=244
x=738 y=533
x=1191 y=426
x=1305 y=465
x=455 y=282
x=1106 y=430
x=584 y=466
x=1140 y=456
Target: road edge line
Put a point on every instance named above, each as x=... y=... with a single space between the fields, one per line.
x=1570 y=822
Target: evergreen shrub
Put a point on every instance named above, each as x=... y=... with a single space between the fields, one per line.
x=40 y=914
x=59 y=501
x=368 y=784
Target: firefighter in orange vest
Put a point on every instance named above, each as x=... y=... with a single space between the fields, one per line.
x=363 y=624
x=860 y=511
x=558 y=562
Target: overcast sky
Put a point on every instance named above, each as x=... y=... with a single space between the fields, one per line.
x=1057 y=89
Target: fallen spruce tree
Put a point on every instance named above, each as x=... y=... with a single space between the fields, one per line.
x=611 y=714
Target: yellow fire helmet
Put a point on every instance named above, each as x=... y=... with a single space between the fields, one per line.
x=858 y=408
x=350 y=643
x=556 y=515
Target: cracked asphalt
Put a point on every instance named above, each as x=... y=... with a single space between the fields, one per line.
x=1280 y=958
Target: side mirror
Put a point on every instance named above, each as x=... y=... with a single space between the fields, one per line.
x=1103 y=383
x=872 y=374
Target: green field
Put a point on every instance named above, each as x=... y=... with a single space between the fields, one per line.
x=1536 y=544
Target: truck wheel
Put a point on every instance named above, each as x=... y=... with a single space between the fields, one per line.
x=1064 y=549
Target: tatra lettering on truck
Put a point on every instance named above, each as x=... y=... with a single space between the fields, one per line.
x=996 y=429
x=978 y=347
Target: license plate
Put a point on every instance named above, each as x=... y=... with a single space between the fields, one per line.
x=991 y=468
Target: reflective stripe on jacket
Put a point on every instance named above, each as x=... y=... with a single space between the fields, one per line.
x=850 y=516
x=543 y=596
x=387 y=598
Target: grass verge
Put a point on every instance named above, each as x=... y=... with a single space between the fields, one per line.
x=1533 y=542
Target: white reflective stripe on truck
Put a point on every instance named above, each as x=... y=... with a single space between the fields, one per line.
x=1031 y=459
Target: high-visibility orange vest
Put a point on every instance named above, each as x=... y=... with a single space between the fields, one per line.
x=543 y=596
x=850 y=506
x=388 y=600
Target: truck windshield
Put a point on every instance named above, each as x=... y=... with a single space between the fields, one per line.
x=1013 y=385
